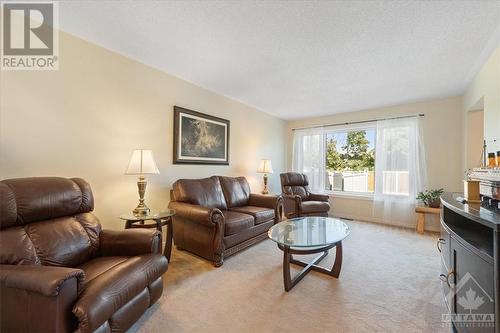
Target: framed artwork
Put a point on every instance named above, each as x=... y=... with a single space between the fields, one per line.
x=200 y=138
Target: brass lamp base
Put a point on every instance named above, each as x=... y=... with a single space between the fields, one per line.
x=141 y=209
x=266 y=188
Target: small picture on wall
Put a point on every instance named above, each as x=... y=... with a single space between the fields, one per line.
x=200 y=138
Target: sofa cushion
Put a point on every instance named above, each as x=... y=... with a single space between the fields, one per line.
x=8 y=206
x=206 y=192
x=232 y=240
x=17 y=248
x=294 y=183
x=115 y=287
x=95 y=267
x=236 y=191
x=65 y=241
x=43 y=198
x=314 y=207
x=260 y=214
x=235 y=222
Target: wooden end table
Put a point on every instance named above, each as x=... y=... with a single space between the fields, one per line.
x=421 y=211
x=160 y=219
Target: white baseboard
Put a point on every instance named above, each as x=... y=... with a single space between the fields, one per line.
x=381 y=221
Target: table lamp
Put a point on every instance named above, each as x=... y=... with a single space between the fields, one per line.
x=265 y=167
x=142 y=163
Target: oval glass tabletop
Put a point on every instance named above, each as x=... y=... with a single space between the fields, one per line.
x=310 y=231
x=152 y=216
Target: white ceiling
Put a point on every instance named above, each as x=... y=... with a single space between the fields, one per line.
x=302 y=58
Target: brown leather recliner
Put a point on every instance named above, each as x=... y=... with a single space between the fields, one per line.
x=299 y=201
x=218 y=216
x=59 y=272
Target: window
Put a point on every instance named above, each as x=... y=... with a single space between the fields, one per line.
x=394 y=145
x=350 y=160
x=384 y=158
x=400 y=171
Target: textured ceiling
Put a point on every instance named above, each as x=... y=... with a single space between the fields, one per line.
x=300 y=59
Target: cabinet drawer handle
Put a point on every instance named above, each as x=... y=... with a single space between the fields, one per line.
x=445 y=278
x=439 y=242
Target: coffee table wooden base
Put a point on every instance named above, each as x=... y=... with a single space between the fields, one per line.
x=288 y=259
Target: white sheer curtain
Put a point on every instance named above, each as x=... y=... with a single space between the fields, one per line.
x=400 y=171
x=309 y=156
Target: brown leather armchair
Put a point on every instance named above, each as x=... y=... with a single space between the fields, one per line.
x=59 y=272
x=218 y=216
x=298 y=200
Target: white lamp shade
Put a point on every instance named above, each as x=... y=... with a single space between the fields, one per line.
x=265 y=166
x=142 y=162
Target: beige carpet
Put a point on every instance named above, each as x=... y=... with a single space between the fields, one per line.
x=389 y=283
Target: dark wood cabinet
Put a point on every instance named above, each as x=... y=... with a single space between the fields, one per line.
x=469 y=265
x=443 y=246
x=467 y=262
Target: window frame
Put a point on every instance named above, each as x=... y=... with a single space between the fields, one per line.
x=345 y=129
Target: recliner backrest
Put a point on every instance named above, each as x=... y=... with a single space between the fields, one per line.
x=206 y=192
x=294 y=183
x=236 y=191
x=47 y=221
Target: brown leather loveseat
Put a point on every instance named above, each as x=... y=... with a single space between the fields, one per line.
x=298 y=199
x=60 y=272
x=218 y=216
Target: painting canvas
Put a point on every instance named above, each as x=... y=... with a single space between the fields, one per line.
x=200 y=138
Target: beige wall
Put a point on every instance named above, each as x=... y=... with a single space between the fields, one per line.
x=442 y=127
x=85 y=119
x=475 y=135
x=485 y=90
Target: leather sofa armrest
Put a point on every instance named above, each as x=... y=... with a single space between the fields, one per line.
x=129 y=242
x=292 y=197
x=209 y=217
x=318 y=197
x=267 y=201
x=44 y=280
x=38 y=298
x=291 y=203
x=274 y=202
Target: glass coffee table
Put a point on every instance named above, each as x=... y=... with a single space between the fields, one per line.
x=309 y=235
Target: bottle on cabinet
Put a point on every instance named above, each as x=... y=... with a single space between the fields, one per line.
x=492 y=160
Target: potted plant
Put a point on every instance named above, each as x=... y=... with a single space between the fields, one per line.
x=431 y=197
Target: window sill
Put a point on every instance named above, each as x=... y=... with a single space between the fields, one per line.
x=351 y=195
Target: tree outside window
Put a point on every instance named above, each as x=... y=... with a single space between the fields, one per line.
x=350 y=160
